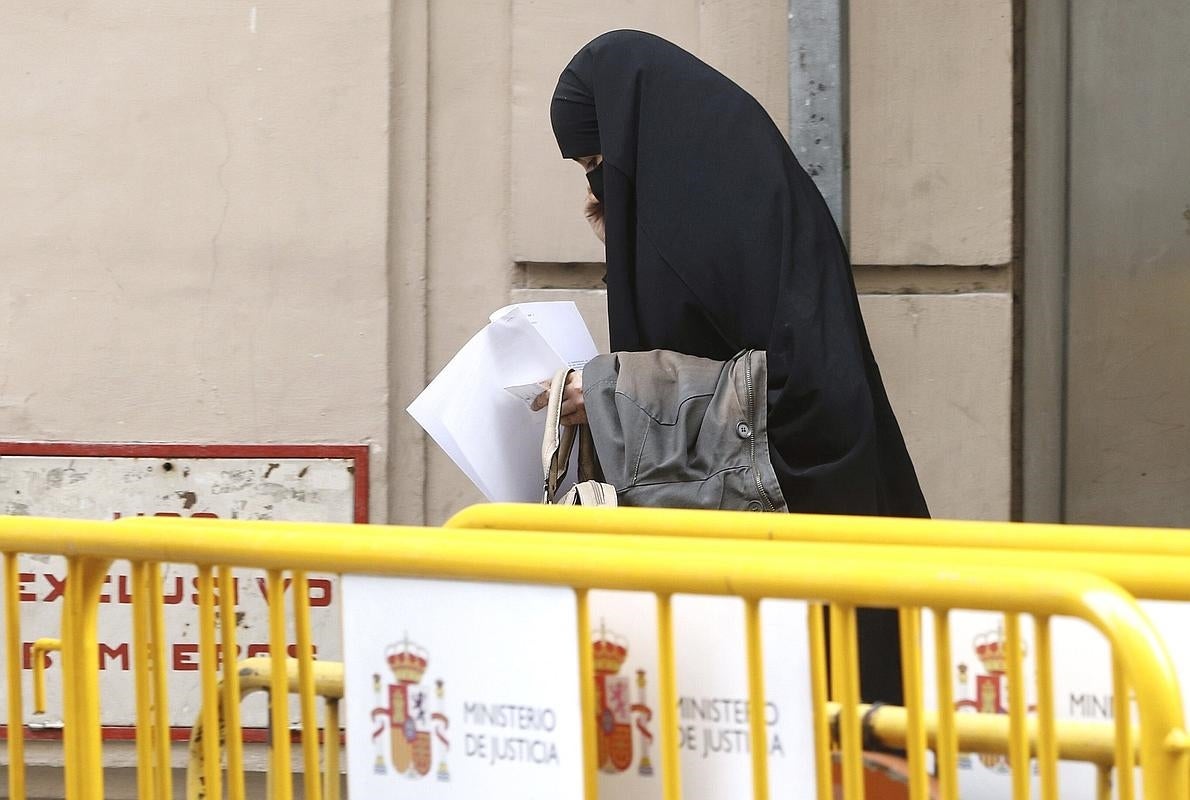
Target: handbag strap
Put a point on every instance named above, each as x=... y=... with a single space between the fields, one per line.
x=559 y=440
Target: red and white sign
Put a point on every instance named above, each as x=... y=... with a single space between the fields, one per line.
x=314 y=483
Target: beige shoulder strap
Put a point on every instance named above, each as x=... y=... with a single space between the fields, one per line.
x=556 y=446
x=558 y=440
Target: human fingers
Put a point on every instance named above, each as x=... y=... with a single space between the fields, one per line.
x=541 y=401
x=572 y=395
x=573 y=403
x=592 y=207
x=594 y=214
x=579 y=417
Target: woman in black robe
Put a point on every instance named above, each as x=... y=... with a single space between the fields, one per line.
x=717 y=241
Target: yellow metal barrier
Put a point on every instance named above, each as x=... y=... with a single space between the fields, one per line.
x=1090 y=742
x=1147 y=562
x=39 y=650
x=256 y=675
x=845 y=577
x=1151 y=564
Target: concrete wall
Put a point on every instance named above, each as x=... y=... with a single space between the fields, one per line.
x=222 y=214
x=193 y=239
x=931 y=196
x=947 y=364
x=931 y=132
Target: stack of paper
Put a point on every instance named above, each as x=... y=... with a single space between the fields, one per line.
x=477 y=409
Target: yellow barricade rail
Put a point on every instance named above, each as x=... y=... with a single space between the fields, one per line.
x=1133 y=563
x=846 y=578
x=1149 y=563
x=39 y=650
x=256 y=675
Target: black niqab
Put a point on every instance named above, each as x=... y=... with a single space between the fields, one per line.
x=718 y=241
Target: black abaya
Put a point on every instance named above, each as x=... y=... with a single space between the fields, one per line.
x=718 y=241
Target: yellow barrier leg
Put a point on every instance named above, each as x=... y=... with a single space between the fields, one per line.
x=209 y=678
x=818 y=700
x=234 y=735
x=70 y=754
x=1047 y=744
x=80 y=658
x=947 y=747
x=844 y=635
x=16 y=710
x=40 y=650
x=332 y=749
x=1018 y=743
x=1103 y=782
x=141 y=657
x=671 y=763
x=279 y=768
x=911 y=671
x=586 y=669
x=1125 y=785
x=305 y=654
x=837 y=652
x=756 y=700
x=162 y=768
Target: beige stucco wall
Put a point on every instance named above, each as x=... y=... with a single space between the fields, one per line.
x=931 y=132
x=194 y=227
x=946 y=360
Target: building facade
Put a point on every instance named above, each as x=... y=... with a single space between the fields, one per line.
x=274 y=222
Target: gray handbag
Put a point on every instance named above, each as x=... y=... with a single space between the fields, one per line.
x=676 y=431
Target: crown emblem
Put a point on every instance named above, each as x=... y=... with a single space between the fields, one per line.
x=611 y=650
x=992 y=651
x=407 y=660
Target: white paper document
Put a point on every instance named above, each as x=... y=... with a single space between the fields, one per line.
x=476 y=409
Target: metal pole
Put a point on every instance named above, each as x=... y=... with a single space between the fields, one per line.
x=818 y=101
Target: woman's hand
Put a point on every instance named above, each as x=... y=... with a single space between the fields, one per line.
x=593 y=210
x=574 y=410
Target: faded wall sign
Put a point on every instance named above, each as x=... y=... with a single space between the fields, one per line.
x=314 y=483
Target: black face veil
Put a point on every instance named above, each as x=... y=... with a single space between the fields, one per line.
x=718 y=241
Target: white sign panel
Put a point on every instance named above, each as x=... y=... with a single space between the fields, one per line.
x=97 y=487
x=1082 y=684
x=461 y=690
x=712 y=712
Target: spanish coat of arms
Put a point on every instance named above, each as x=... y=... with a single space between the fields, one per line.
x=991 y=688
x=614 y=707
x=407 y=718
